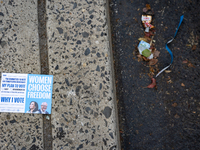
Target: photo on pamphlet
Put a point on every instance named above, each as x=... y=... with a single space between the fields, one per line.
x=26 y=93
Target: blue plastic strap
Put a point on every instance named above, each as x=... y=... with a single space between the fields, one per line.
x=170 y=52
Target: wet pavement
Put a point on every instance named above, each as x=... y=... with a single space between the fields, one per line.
x=167 y=117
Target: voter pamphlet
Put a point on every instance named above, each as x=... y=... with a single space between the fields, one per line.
x=26 y=93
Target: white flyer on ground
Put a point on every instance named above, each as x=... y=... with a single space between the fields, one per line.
x=26 y=93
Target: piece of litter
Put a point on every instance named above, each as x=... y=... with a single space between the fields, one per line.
x=47 y=117
x=151 y=56
x=142 y=46
x=146 y=53
x=153 y=83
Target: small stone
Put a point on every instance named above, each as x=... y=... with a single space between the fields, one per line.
x=107 y=111
x=1 y=14
x=75 y=5
x=57 y=67
x=77 y=90
x=78 y=42
x=67 y=82
x=65 y=35
x=87 y=109
x=2 y=43
x=85 y=34
x=91 y=16
x=84 y=64
x=98 y=68
x=89 y=22
x=60 y=30
x=111 y=135
x=98 y=55
x=77 y=24
x=87 y=51
x=28 y=139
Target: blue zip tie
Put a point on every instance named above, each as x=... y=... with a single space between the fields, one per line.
x=170 y=52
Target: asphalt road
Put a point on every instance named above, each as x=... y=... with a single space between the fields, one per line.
x=167 y=117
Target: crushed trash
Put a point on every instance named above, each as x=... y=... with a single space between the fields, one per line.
x=146 y=46
x=143 y=48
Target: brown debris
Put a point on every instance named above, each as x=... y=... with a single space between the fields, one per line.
x=156 y=54
x=168 y=71
x=148 y=37
x=185 y=62
x=194 y=47
x=174 y=104
x=176 y=116
x=182 y=84
x=191 y=65
x=148 y=6
x=153 y=62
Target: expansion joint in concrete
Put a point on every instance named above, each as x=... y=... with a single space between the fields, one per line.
x=42 y=32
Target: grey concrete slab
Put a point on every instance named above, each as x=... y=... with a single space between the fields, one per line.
x=19 y=53
x=83 y=109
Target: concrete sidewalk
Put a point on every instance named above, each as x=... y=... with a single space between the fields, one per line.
x=84 y=114
x=19 y=53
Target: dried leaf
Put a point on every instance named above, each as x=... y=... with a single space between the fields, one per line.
x=148 y=6
x=147 y=34
x=137 y=132
x=152 y=47
x=176 y=116
x=191 y=65
x=153 y=83
x=185 y=62
x=153 y=61
x=174 y=105
x=145 y=59
x=169 y=81
x=182 y=84
x=156 y=54
x=194 y=47
x=139 y=56
x=148 y=38
x=143 y=39
x=168 y=71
